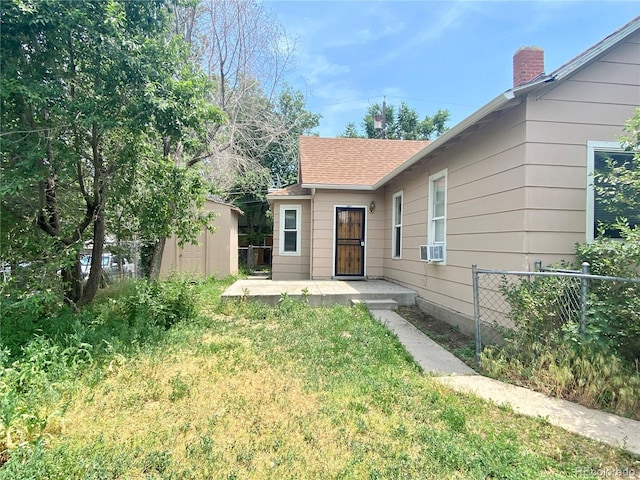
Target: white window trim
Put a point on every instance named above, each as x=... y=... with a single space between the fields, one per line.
x=395 y=223
x=298 y=209
x=431 y=219
x=592 y=148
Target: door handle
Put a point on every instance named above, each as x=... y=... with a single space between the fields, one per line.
x=362 y=243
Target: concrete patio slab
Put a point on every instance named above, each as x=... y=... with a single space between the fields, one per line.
x=320 y=292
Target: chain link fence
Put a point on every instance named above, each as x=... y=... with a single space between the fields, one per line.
x=547 y=301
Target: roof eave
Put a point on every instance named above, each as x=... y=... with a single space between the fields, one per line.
x=495 y=104
x=271 y=198
x=226 y=204
x=501 y=100
x=326 y=186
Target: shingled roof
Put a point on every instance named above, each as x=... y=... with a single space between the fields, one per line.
x=356 y=163
x=292 y=191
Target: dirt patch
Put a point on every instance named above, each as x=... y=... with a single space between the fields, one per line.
x=441 y=332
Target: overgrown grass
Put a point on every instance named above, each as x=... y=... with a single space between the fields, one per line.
x=549 y=350
x=592 y=378
x=251 y=391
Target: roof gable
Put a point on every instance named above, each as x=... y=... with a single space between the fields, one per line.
x=595 y=51
x=292 y=192
x=351 y=162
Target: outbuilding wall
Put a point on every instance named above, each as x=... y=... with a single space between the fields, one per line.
x=214 y=254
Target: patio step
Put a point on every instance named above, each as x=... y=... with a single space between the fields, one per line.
x=318 y=293
x=377 y=304
x=259 y=276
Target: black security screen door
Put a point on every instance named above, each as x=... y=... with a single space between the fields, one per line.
x=349 y=241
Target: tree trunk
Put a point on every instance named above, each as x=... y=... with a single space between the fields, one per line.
x=72 y=279
x=156 y=259
x=93 y=282
x=158 y=247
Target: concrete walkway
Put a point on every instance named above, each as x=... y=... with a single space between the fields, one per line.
x=611 y=429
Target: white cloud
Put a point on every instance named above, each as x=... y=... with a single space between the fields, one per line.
x=436 y=26
x=316 y=69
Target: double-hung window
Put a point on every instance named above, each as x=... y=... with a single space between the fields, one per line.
x=601 y=157
x=437 y=221
x=396 y=238
x=290 y=229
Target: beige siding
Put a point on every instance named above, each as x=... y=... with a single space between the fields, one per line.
x=485 y=213
x=213 y=254
x=517 y=186
x=592 y=105
x=292 y=267
x=324 y=203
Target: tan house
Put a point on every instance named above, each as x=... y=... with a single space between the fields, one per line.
x=505 y=187
x=214 y=254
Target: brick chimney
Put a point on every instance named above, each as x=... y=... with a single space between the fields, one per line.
x=528 y=63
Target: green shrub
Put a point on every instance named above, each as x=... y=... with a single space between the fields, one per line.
x=549 y=348
x=161 y=303
x=614 y=307
x=541 y=307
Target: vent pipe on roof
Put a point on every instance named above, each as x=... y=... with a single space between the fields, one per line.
x=528 y=64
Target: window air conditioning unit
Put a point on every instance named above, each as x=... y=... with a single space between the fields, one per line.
x=432 y=253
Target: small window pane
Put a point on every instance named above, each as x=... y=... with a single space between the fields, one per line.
x=290 y=241
x=396 y=246
x=398 y=210
x=439 y=230
x=290 y=219
x=439 y=197
x=602 y=214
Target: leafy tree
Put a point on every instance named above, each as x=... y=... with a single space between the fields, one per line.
x=281 y=155
x=401 y=124
x=93 y=93
x=618 y=185
x=350 y=131
x=276 y=150
x=245 y=52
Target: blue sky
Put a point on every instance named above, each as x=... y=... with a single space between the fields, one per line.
x=431 y=54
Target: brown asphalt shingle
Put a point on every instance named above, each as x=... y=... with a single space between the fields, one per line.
x=352 y=161
x=291 y=191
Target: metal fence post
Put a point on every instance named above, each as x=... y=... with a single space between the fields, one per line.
x=476 y=309
x=584 y=293
x=538 y=265
x=250 y=264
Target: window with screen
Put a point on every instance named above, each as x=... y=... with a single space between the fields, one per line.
x=290 y=229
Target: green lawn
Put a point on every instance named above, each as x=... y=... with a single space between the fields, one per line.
x=255 y=392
